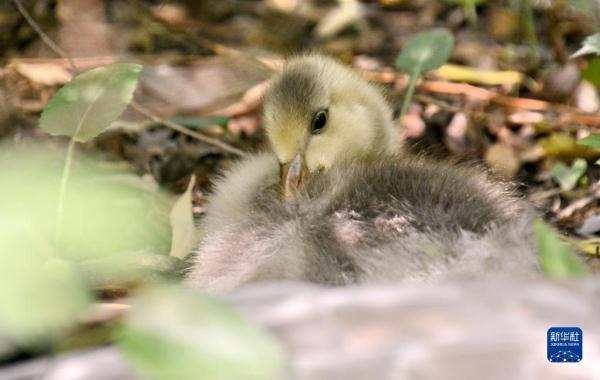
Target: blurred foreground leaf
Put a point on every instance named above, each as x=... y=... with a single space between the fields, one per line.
x=39 y=296
x=110 y=210
x=556 y=259
x=175 y=333
x=111 y=213
x=567 y=176
x=85 y=106
x=131 y=268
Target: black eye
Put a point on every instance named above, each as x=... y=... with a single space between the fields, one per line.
x=319 y=122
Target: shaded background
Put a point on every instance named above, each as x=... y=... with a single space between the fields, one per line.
x=208 y=58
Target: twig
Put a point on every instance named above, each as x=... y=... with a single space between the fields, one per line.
x=47 y=40
x=135 y=105
x=566 y=114
x=180 y=128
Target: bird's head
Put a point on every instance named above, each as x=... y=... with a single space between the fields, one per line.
x=317 y=113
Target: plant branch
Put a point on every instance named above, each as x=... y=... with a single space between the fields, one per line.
x=47 y=40
x=180 y=128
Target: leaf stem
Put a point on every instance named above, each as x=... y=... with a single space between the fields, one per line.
x=409 y=92
x=530 y=33
x=470 y=10
x=62 y=191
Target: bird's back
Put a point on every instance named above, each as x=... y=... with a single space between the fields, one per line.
x=387 y=218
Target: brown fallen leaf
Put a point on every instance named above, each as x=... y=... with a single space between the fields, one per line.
x=46 y=74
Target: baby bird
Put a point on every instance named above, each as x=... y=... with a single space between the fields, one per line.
x=338 y=202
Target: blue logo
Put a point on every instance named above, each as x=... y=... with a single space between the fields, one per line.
x=565 y=344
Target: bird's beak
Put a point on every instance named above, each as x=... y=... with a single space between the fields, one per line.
x=293 y=175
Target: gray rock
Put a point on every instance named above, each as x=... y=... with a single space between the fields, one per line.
x=493 y=329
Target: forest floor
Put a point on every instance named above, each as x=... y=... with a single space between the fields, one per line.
x=510 y=96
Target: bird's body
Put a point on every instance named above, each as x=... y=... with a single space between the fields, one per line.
x=363 y=211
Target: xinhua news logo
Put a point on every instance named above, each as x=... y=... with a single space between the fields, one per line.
x=565 y=344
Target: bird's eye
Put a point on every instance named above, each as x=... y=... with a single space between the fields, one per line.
x=319 y=122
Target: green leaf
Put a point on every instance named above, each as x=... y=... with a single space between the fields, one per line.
x=591 y=45
x=110 y=210
x=592 y=72
x=86 y=106
x=567 y=176
x=592 y=141
x=182 y=224
x=201 y=123
x=556 y=259
x=425 y=51
x=175 y=333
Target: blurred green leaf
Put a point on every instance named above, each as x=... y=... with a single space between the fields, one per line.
x=175 y=333
x=85 y=106
x=110 y=210
x=131 y=267
x=556 y=259
x=592 y=141
x=567 y=176
x=592 y=72
x=182 y=224
x=39 y=296
x=425 y=51
x=201 y=123
x=591 y=45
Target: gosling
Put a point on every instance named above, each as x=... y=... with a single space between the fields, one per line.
x=338 y=202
